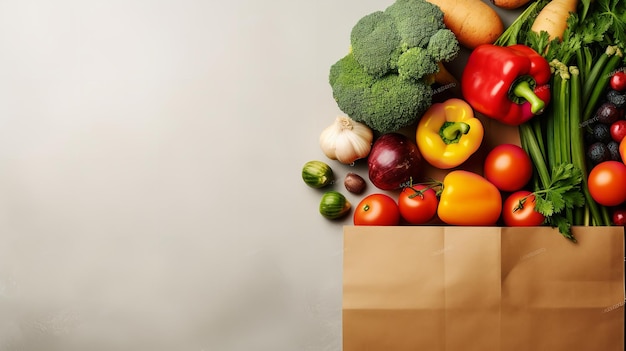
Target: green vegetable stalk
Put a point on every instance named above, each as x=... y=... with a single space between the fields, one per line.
x=598 y=78
x=598 y=215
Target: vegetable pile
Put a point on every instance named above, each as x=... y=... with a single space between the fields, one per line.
x=556 y=75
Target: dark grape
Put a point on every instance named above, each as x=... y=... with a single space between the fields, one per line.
x=608 y=113
x=601 y=132
x=598 y=152
x=613 y=147
x=616 y=98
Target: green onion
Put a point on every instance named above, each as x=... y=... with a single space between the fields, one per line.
x=599 y=77
x=531 y=145
x=578 y=148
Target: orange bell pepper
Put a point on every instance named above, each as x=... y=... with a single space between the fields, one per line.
x=469 y=199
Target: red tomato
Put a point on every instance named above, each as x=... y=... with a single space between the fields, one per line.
x=377 y=209
x=519 y=210
x=607 y=183
x=619 y=216
x=508 y=167
x=418 y=204
x=618 y=81
x=618 y=130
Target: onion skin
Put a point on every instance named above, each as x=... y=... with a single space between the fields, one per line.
x=393 y=162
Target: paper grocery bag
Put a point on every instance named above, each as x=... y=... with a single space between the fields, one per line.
x=482 y=288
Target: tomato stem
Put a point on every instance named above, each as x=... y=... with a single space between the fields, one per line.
x=428 y=185
x=520 y=204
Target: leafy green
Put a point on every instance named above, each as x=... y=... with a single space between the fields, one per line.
x=563 y=192
x=596 y=25
x=612 y=14
x=516 y=32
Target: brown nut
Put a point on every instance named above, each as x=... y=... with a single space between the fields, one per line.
x=354 y=183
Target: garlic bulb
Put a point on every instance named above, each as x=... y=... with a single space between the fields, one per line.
x=346 y=140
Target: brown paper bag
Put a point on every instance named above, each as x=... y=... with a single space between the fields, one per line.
x=482 y=288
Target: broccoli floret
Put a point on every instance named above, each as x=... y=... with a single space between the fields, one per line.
x=393 y=103
x=395 y=57
x=416 y=63
x=416 y=20
x=443 y=46
x=350 y=83
x=385 y=104
x=375 y=43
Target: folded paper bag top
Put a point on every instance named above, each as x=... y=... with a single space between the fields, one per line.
x=482 y=288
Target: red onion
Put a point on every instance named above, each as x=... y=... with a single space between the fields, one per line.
x=393 y=161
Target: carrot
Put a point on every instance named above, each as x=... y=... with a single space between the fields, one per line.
x=510 y=4
x=472 y=21
x=553 y=18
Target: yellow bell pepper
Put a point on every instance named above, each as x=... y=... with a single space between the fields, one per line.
x=469 y=199
x=448 y=133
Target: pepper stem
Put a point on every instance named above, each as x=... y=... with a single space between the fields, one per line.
x=451 y=132
x=524 y=91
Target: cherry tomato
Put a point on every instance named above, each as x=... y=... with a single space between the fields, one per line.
x=618 y=81
x=418 y=204
x=519 y=210
x=619 y=216
x=377 y=209
x=618 y=130
x=607 y=183
x=508 y=167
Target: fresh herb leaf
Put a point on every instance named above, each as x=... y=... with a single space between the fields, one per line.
x=593 y=32
x=516 y=32
x=562 y=192
x=541 y=42
x=564 y=226
x=544 y=206
x=613 y=11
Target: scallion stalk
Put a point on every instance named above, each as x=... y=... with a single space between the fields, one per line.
x=599 y=77
x=538 y=126
x=578 y=149
x=596 y=70
x=531 y=146
x=563 y=118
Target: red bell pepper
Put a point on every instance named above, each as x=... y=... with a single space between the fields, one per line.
x=509 y=84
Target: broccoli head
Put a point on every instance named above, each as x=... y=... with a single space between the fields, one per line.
x=385 y=104
x=395 y=56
